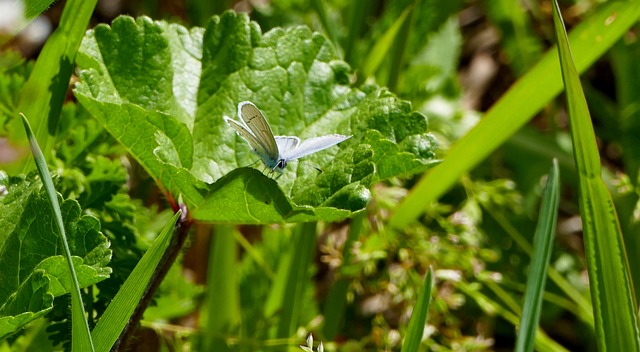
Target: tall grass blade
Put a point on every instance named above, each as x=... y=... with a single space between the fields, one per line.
x=615 y=309
x=358 y=12
x=384 y=46
x=44 y=93
x=542 y=248
x=223 y=306
x=419 y=316
x=81 y=339
x=329 y=27
x=119 y=311
x=296 y=277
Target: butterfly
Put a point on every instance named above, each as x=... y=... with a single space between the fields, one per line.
x=275 y=151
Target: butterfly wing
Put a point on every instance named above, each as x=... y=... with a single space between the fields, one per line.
x=245 y=133
x=255 y=121
x=256 y=131
x=313 y=145
x=286 y=143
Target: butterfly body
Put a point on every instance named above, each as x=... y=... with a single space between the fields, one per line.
x=275 y=151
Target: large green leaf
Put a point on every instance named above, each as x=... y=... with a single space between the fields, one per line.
x=34 y=269
x=161 y=90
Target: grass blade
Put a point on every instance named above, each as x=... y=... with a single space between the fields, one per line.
x=543 y=342
x=223 y=310
x=614 y=305
x=419 y=316
x=384 y=46
x=583 y=308
x=358 y=11
x=542 y=248
x=399 y=48
x=121 y=308
x=528 y=95
x=81 y=339
x=44 y=93
x=327 y=25
x=291 y=279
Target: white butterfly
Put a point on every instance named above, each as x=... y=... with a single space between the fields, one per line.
x=276 y=151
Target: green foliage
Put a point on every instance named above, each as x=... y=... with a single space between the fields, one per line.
x=148 y=136
x=166 y=104
x=34 y=271
x=96 y=182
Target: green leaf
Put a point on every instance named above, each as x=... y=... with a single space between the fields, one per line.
x=542 y=248
x=161 y=90
x=78 y=135
x=615 y=309
x=528 y=95
x=29 y=302
x=29 y=246
x=33 y=244
x=245 y=196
